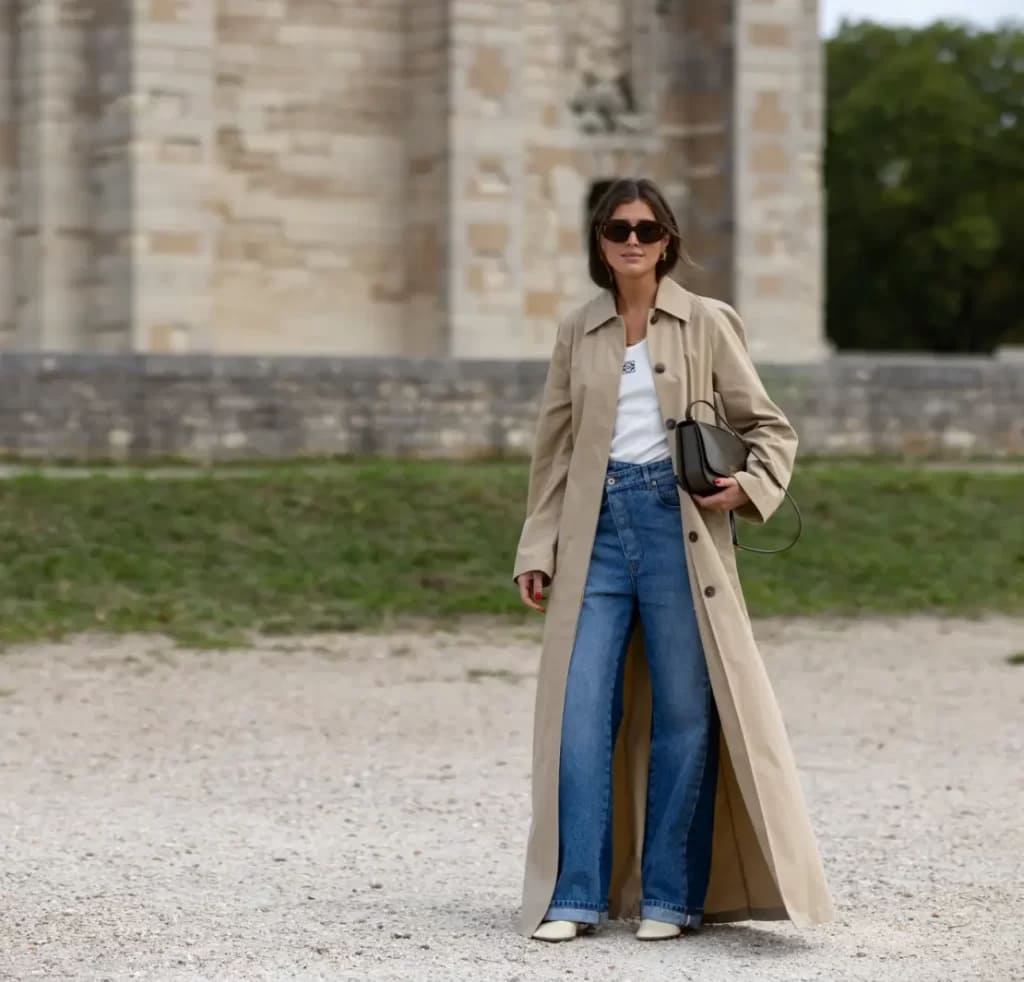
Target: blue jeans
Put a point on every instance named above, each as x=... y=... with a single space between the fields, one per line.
x=638 y=568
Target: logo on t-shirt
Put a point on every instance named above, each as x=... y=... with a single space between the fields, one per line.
x=629 y=367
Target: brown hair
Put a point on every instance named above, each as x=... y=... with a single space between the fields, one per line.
x=622 y=192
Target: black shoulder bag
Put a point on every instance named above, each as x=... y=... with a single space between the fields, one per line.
x=707 y=452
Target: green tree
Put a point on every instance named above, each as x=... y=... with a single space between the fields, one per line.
x=924 y=169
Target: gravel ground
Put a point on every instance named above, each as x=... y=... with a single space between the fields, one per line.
x=355 y=807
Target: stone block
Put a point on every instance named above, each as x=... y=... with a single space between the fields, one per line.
x=769 y=35
x=488 y=238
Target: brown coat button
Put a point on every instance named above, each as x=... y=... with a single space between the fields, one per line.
x=694 y=537
x=670 y=424
x=660 y=367
x=709 y=591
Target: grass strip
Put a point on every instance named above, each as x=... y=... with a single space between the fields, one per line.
x=207 y=558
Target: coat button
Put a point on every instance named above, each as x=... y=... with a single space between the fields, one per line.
x=670 y=424
x=694 y=537
x=660 y=367
x=709 y=591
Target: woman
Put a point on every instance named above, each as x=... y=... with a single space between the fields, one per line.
x=663 y=783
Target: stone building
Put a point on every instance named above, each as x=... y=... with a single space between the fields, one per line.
x=392 y=177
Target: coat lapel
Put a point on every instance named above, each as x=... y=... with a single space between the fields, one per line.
x=608 y=339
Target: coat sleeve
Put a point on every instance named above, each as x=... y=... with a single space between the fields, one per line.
x=752 y=413
x=549 y=467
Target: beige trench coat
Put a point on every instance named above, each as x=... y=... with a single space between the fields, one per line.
x=765 y=861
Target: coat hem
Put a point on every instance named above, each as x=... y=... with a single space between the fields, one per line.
x=747 y=914
x=769 y=914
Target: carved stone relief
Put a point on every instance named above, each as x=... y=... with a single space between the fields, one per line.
x=600 y=55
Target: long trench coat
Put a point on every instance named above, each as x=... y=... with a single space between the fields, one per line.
x=765 y=861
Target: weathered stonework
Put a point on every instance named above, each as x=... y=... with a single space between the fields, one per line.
x=111 y=292
x=310 y=175
x=778 y=245
x=401 y=177
x=8 y=156
x=54 y=107
x=208 y=409
x=700 y=88
x=397 y=190
x=174 y=230
x=426 y=178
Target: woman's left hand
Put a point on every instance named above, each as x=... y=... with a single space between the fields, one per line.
x=730 y=496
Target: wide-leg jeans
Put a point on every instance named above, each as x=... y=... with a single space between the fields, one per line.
x=638 y=569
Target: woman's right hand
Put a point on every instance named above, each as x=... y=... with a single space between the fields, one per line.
x=531 y=588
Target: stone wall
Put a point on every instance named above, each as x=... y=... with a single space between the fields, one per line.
x=396 y=177
x=138 y=407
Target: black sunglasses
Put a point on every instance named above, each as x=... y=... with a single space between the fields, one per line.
x=647 y=231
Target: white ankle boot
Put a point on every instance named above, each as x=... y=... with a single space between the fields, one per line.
x=557 y=931
x=657 y=931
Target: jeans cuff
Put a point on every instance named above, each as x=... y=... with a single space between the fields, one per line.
x=581 y=915
x=654 y=910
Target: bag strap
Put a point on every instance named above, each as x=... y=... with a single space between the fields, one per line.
x=725 y=424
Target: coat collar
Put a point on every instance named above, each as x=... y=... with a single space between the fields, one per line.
x=670 y=298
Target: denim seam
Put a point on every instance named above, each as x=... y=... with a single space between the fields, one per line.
x=652 y=779
x=631 y=564
x=606 y=803
x=606 y=800
x=696 y=797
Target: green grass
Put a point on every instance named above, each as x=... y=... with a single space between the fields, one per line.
x=353 y=545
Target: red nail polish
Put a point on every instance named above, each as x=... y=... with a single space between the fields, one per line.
x=538 y=596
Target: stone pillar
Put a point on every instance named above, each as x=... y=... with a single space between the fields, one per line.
x=778 y=148
x=8 y=163
x=812 y=154
x=555 y=179
x=174 y=44
x=54 y=89
x=486 y=179
x=702 y=80
x=111 y=296
x=426 y=177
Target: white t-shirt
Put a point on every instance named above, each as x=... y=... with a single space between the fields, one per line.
x=640 y=436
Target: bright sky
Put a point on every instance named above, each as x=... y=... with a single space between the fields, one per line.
x=984 y=12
